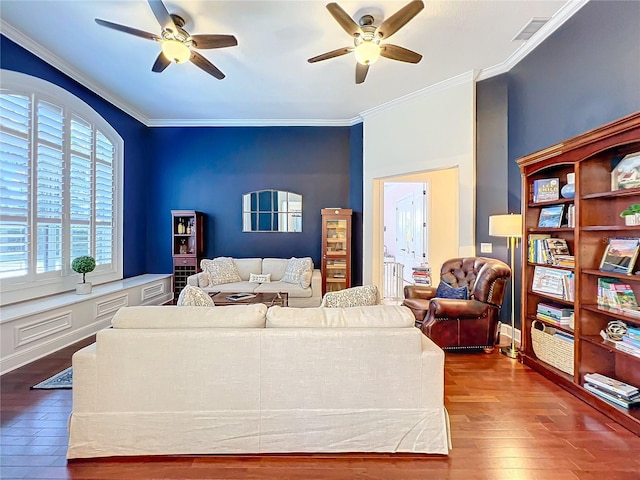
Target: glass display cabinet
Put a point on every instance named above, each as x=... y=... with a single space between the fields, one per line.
x=336 y=249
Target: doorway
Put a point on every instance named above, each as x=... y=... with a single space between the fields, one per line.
x=419 y=227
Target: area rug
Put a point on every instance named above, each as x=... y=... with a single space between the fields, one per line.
x=63 y=379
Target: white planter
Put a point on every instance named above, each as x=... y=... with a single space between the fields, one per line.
x=632 y=220
x=83 y=288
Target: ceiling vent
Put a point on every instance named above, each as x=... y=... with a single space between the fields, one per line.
x=530 y=28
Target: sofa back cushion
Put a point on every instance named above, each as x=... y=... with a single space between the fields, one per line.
x=276 y=267
x=247 y=266
x=168 y=316
x=375 y=316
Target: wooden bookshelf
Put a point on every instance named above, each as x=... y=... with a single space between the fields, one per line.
x=591 y=157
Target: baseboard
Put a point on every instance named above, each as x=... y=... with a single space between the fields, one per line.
x=506 y=331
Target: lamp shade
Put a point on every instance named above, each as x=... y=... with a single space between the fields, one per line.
x=505 y=225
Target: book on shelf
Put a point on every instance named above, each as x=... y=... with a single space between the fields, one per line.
x=611 y=384
x=629 y=349
x=571 y=216
x=617 y=400
x=552 y=251
x=633 y=332
x=551 y=217
x=627 y=173
x=613 y=293
x=631 y=341
x=554 y=282
x=546 y=189
x=620 y=255
x=534 y=250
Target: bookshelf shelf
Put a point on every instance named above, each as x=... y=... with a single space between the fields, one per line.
x=591 y=157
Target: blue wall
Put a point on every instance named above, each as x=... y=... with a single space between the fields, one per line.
x=209 y=168
x=13 y=57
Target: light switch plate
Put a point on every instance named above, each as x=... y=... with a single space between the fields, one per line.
x=486 y=247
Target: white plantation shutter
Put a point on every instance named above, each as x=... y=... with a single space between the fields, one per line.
x=59 y=198
x=15 y=128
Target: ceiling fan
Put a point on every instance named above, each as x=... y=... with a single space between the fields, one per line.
x=177 y=43
x=367 y=38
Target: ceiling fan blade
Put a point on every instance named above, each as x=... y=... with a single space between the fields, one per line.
x=214 y=41
x=125 y=29
x=162 y=15
x=161 y=63
x=206 y=65
x=396 y=21
x=331 y=54
x=395 y=52
x=343 y=18
x=361 y=72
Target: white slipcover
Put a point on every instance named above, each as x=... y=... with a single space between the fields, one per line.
x=186 y=390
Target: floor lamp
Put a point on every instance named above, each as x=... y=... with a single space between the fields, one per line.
x=510 y=227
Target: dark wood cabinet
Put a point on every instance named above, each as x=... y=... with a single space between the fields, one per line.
x=187 y=246
x=336 y=249
x=592 y=157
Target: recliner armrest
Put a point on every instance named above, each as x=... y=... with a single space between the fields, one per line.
x=425 y=292
x=455 y=308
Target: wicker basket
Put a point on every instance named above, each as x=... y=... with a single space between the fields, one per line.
x=550 y=349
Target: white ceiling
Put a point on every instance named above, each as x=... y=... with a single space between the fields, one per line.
x=268 y=79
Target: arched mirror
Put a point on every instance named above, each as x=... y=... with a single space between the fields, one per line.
x=271 y=211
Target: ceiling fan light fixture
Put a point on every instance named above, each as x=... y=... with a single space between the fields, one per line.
x=367 y=52
x=176 y=51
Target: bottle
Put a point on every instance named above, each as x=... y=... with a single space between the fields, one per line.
x=180 y=227
x=189 y=228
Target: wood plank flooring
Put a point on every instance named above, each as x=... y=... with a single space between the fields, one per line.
x=507 y=422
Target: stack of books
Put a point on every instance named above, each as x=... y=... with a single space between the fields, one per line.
x=615 y=294
x=552 y=251
x=555 y=315
x=422 y=275
x=613 y=390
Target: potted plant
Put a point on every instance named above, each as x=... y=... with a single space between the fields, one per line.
x=631 y=214
x=83 y=264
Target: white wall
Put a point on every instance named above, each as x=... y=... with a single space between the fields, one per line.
x=429 y=130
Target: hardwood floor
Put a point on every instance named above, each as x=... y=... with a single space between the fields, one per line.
x=507 y=422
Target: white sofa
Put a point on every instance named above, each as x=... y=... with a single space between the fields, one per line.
x=298 y=296
x=240 y=379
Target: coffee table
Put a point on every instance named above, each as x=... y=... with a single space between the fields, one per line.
x=269 y=299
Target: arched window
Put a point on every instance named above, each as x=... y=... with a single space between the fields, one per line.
x=60 y=189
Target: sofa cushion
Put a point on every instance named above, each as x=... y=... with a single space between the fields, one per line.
x=352 y=297
x=169 y=316
x=374 y=316
x=220 y=270
x=296 y=269
x=194 y=297
x=260 y=278
x=294 y=291
x=276 y=267
x=235 y=287
x=247 y=266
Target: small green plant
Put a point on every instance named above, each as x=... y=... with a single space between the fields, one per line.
x=631 y=210
x=83 y=264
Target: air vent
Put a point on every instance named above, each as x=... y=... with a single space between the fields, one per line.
x=530 y=29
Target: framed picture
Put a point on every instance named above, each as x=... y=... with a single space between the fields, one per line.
x=620 y=255
x=551 y=217
x=627 y=173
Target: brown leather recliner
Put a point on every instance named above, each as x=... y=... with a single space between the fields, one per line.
x=455 y=324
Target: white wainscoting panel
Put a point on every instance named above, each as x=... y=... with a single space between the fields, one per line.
x=36 y=328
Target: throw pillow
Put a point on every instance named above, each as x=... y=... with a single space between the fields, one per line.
x=305 y=279
x=351 y=297
x=260 y=278
x=445 y=290
x=220 y=270
x=203 y=279
x=295 y=268
x=194 y=297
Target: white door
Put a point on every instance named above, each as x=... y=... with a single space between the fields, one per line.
x=411 y=230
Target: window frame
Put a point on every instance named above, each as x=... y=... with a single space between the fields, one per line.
x=34 y=285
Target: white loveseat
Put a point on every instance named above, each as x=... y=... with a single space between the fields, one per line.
x=299 y=296
x=240 y=379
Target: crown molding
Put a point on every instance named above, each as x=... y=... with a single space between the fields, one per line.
x=253 y=122
x=559 y=18
x=41 y=52
x=445 y=84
